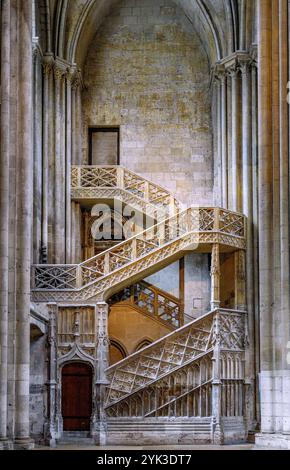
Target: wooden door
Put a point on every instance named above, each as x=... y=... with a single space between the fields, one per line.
x=76 y=397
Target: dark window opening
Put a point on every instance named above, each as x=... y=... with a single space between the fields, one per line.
x=104 y=146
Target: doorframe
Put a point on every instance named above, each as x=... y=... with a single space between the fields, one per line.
x=92 y=130
x=60 y=369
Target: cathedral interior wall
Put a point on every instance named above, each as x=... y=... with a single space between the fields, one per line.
x=147 y=71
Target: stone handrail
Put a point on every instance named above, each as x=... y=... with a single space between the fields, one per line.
x=100 y=181
x=186 y=230
x=220 y=334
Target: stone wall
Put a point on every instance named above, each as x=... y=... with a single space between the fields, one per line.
x=130 y=328
x=147 y=72
x=196 y=283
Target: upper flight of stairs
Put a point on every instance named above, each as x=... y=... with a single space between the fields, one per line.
x=115 y=182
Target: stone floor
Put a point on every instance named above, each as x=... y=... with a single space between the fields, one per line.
x=118 y=448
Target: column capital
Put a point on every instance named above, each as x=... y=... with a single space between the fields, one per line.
x=219 y=72
x=234 y=63
x=233 y=71
x=77 y=80
x=245 y=64
x=47 y=63
x=254 y=53
x=36 y=48
x=59 y=70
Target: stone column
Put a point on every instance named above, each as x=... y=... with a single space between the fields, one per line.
x=245 y=271
x=265 y=222
x=236 y=183
x=240 y=280
x=59 y=196
x=102 y=357
x=216 y=112
x=47 y=77
x=24 y=225
x=4 y=212
x=37 y=150
x=224 y=139
x=265 y=143
x=79 y=122
x=68 y=208
x=284 y=61
x=256 y=335
x=215 y=277
x=247 y=185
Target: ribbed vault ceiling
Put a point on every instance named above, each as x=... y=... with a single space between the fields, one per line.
x=224 y=26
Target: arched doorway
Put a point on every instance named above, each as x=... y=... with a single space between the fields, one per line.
x=76 y=396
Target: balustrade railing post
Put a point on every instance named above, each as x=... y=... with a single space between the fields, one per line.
x=189 y=225
x=216 y=224
x=172 y=206
x=216 y=384
x=120 y=178
x=161 y=233
x=181 y=314
x=79 y=277
x=155 y=303
x=134 y=249
x=107 y=263
x=215 y=277
x=146 y=191
x=132 y=293
x=79 y=177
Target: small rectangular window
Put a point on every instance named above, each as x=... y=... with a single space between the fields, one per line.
x=104 y=146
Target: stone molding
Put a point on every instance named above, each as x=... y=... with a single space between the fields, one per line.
x=239 y=61
x=62 y=70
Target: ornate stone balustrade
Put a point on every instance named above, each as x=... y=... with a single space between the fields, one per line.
x=196 y=371
x=139 y=256
x=106 y=182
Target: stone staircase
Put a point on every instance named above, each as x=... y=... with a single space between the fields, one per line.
x=189 y=385
x=140 y=256
x=115 y=182
x=182 y=378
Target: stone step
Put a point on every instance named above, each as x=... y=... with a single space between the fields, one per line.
x=83 y=434
x=80 y=438
x=79 y=441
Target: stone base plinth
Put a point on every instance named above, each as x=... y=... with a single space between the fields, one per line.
x=272 y=441
x=23 y=444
